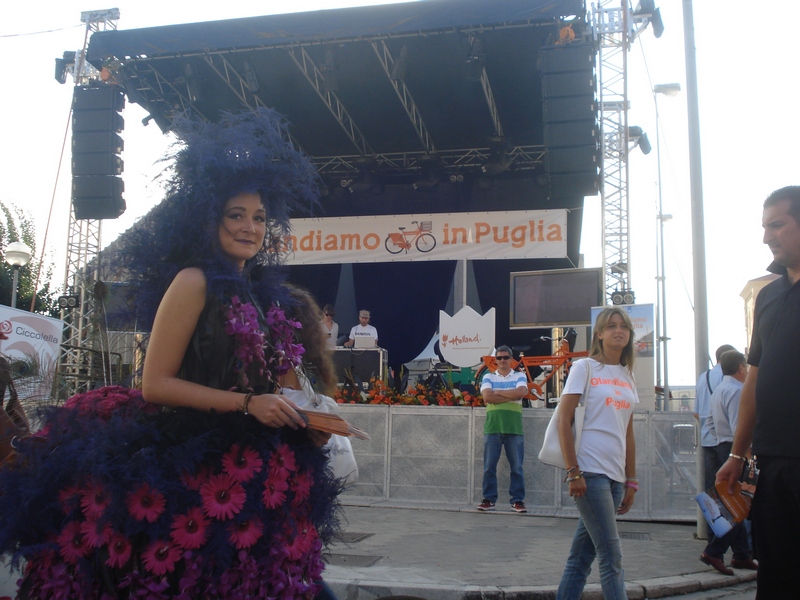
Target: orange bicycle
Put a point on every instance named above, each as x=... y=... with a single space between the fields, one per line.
x=538 y=369
x=421 y=237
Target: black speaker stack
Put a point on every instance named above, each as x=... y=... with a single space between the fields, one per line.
x=96 y=148
x=571 y=131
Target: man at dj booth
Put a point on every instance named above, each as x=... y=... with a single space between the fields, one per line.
x=363 y=331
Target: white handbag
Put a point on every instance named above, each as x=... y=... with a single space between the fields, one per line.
x=551 y=454
x=339 y=449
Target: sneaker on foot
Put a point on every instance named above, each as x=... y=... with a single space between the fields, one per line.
x=486 y=505
x=519 y=507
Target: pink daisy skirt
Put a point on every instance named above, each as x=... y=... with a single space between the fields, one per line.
x=116 y=498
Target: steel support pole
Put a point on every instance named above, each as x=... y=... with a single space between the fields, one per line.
x=698 y=223
x=14 y=288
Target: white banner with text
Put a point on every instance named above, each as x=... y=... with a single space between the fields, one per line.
x=34 y=341
x=436 y=236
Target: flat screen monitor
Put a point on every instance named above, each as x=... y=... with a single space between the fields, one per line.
x=555 y=298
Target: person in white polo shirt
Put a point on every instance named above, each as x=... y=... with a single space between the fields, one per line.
x=363 y=329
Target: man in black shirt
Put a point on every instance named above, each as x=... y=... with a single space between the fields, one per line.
x=769 y=409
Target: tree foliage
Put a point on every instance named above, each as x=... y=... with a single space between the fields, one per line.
x=16 y=226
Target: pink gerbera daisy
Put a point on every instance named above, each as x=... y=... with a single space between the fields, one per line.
x=119 y=551
x=72 y=544
x=94 y=500
x=189 y=530
x=283 y=459
x=223 y=497
x=242 y=464
x=245 y=534
x=70 y=497
x=146 y=503
x=95 y=534
x=160 y=557
x=301 y=486
x=302 y=541
x=274 y=492
x=194 y=481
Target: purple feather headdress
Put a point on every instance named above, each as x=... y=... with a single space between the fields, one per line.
x=212 y=162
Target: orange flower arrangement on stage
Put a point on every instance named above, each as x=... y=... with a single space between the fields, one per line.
x=378 y=392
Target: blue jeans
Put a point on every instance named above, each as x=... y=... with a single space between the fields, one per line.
x=514 y=446
x=596 y=535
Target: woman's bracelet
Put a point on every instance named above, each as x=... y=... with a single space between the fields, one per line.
x=575 y=478
x=741 y=458
x=571 y=469
x=633 y=479
x=632 y=484
x=246 y=402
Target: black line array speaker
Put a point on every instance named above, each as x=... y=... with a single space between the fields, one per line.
x=571 y=132
x=96 y=148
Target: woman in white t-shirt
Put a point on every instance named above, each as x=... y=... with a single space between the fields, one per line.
x=602 y=473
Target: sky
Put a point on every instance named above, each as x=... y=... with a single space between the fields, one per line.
x=746 y=62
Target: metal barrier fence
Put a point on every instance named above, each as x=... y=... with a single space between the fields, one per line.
x=430 y=454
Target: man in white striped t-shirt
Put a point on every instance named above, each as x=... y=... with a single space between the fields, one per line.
x=502 y=393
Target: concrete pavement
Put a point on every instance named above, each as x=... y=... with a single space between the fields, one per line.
x=454 y=553
x=450 y=553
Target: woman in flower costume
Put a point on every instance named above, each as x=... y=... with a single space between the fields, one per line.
x=206 y=484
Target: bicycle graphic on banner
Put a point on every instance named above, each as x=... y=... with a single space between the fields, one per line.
x=421 y=238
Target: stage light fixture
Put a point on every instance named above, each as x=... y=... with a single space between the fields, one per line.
x=400 y=65
x=69 y=301
x=619 y=297
x=191 y=83
x=250 y=77
x=476 y=59
x=500 y=158
x=63 y=64
x=639 y=138
x=431 y=172
x=646 y=13
x=330 y=79
x=657 y=23
x=620 y=268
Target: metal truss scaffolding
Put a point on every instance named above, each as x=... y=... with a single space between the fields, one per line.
x=81 y=361
x=611 y=23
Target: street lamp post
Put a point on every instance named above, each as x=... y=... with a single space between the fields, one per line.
x=17 y=255
x=667 y=89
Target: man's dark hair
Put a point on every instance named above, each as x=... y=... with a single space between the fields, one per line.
x=722 y=350
x=504 y=349
x=790 y=193
x=730 y=362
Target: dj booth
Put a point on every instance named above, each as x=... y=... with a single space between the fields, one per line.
x=364 y=363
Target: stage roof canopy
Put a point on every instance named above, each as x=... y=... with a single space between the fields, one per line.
x=455 y=82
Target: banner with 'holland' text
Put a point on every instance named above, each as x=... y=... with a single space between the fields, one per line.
x=439 y=236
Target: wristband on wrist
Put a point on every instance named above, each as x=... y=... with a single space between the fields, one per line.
x=571 y=469
x=633 y=485
x=633 y=479
x=246 y=402
x=741 y=458
x=574 y=478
